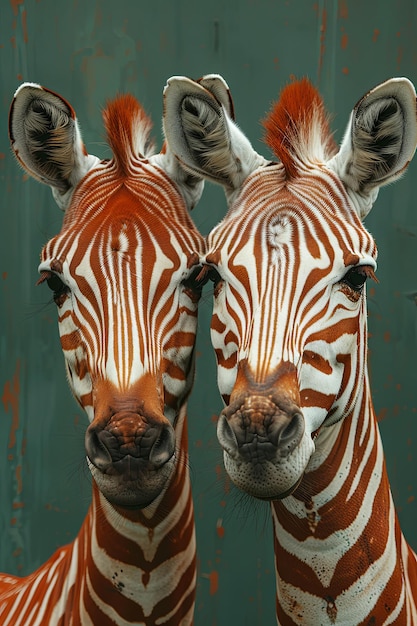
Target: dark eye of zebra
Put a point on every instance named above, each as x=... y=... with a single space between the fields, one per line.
x=215 y=278
x=356 y=277
x=195 y=281
x=200 y=276
x=55 y=284
x=58 y=287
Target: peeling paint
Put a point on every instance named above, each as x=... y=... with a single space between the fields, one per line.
x=10 y=399
x=214 y=582
x=220 y=530
x=15 y=6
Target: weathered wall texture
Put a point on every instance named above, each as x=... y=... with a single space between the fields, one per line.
x=88 y=51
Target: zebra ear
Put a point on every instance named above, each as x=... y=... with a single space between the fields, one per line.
x=190 y=184
x=199 y=129
x=46 y=140
x=379 y=142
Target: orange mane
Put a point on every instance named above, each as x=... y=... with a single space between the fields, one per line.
x=297 y=128
x=128 y=131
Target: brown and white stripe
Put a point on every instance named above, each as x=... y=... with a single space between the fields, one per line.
x=289 y=262
x=124 y=275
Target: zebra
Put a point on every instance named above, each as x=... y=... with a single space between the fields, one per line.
x=123 y=272
x=289 y=263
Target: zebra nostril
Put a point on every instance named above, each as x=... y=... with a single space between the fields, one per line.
x=96 y=449
x=164 y=447
x=226 y=436
x=290 y=436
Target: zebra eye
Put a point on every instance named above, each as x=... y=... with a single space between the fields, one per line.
x=356 y=277
x=56 y=285
x=195 y=282
x=216 y=279
x=214 y=276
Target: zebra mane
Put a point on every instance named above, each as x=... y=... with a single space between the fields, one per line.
x=297 y=128
x=128 y=131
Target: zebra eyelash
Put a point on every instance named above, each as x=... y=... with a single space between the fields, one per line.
x=200 y=276
x=356 y=277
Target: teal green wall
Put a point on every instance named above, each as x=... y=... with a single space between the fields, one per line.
x=88 y=51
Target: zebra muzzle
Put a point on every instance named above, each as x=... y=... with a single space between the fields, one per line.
x=257 y=428
x=263 y=421
x=129 y=444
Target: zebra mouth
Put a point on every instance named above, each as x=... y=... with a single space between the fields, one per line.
x=132 y=492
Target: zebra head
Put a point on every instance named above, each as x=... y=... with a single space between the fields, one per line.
x=123 y=274
x=289 y=263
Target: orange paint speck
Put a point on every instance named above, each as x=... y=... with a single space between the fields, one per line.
x=218 y=470
x=19 y=479
x=220 y=531
x=410 y=499
x=10 y=400
x=345 y=70
x=214 y=582
x=24 y=26
x=13 y=521
x=382 y=415
x=399 y=56
x=376 y=35
x=344 y=42
x=387 y=336
x=15 y=6
x=323 y=30
x=343 y=10
x=18 y=505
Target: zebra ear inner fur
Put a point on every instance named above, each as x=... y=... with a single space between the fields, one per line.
x=200 y=132
x=380 y=139
x=46 y=140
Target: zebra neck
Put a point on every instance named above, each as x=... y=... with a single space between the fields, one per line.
x=339 y=532
x=124 y=567
x=131 y=549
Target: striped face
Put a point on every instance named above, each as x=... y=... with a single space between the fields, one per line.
x=289 y=322
x=123 y=272
x=123 y=276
